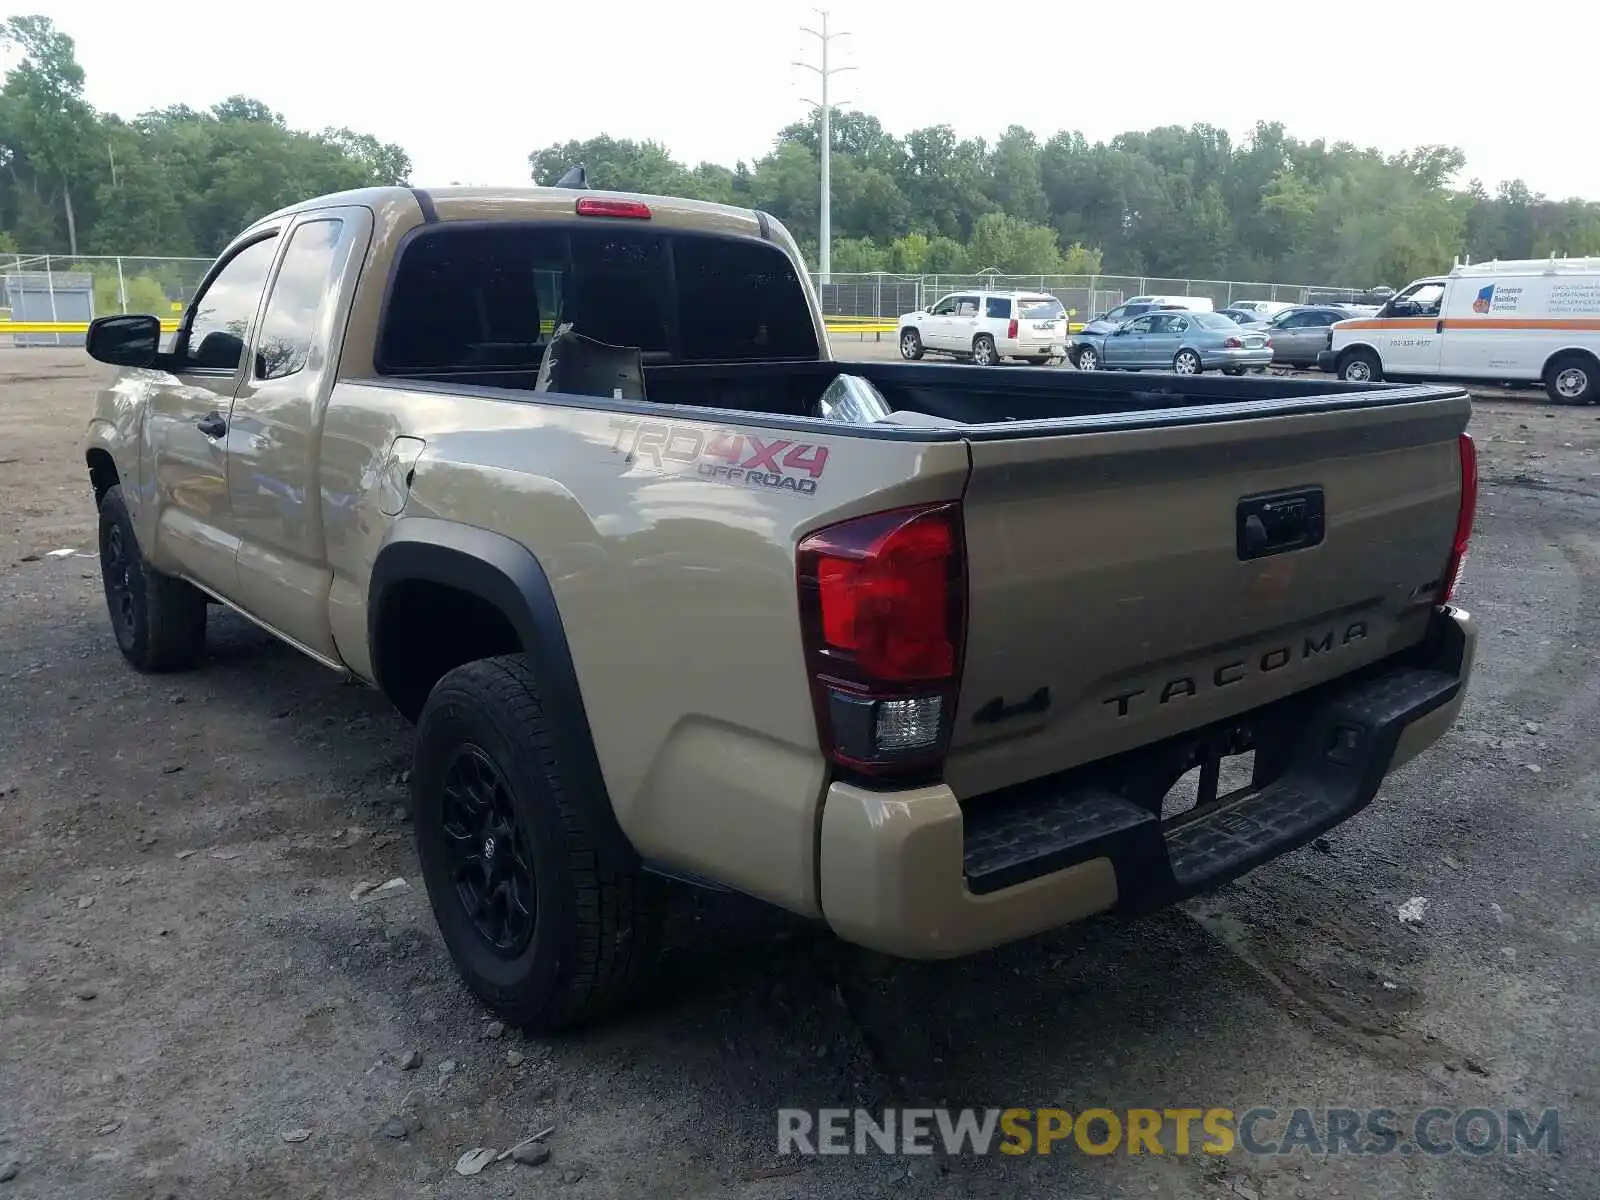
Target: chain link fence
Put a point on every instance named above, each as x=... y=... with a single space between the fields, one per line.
x=886 y=296
x=52 y=288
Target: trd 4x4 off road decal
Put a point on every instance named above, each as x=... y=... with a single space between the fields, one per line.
x=721 y=456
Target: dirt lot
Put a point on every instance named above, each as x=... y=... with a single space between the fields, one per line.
x=184 y=978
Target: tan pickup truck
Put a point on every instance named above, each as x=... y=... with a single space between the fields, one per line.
x=554 y=470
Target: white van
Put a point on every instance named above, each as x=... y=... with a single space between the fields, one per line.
x=1535 y=320
x=988 y=326
x=1266 y=308
x=1191 y=303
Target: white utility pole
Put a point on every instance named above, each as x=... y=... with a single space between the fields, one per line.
x=825 y=146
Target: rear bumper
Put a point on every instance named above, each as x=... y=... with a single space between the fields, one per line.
x=1026 y=349
x=921 y=874
x=1237 y=358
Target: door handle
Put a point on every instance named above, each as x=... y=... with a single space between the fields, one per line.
x=212 y=425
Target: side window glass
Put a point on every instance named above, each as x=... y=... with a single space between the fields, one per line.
x=223 y=312
x=296 y=299
x=967 y=306
x=997 y=308
x=1177 y=325
x=945 y=307
x=1142 y=325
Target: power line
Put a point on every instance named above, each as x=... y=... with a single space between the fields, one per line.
x=825 y=73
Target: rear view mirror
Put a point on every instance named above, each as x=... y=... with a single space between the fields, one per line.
x=126 y=340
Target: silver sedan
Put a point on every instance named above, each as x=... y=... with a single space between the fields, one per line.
x=1185 y=342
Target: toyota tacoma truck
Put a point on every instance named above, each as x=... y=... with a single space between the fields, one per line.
x=554 y=470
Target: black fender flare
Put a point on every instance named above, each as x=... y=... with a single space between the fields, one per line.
x=506 y=574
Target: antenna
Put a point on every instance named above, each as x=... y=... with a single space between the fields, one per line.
x=825 y=73
x=575 y=177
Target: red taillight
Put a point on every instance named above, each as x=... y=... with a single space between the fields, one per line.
x=599 y=206
x=883 y=608
x=1232 y=343
x=1011 y=329
x=1465 y=515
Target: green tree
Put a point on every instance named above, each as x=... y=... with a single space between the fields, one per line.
x=1014 y=246
x=49 y=128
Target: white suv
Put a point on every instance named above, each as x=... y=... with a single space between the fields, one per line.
x=988 y=326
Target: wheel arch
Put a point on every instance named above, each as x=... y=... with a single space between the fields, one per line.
x=504 y=577
x=1350 y=348
x=488 y=567
x=1568 y=352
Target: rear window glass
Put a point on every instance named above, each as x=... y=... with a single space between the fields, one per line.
x=1207 y=320
x=488 y=297
x=1044 y=308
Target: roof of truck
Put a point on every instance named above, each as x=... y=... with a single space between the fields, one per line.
x=524 y=204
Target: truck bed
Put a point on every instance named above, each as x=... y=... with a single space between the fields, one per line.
x=975 y=396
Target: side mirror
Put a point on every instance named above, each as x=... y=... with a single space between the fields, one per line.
x=126 y=340
x=929 y=309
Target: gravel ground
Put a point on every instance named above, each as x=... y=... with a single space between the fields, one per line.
x=186 y=986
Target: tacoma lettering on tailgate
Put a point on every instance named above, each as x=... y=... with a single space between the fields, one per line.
x=1237 y=670
x=722 y=456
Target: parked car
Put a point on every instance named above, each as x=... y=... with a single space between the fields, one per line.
x=1243 y=316
x=1185 y=342
x=1300 y=334
x=1265 y=309
x=1139 y=305
x=987 y=327
x=554 y=471
x=1521 y=321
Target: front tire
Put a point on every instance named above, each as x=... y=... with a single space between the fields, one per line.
x=1187 y=362
x=984 y=353
x=159 y=621
x=910 y=345
x=1360 y=366
x=541 y=902
x=1087 y=359
x=1570 y=379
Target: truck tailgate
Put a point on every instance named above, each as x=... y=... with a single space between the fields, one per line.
x=1127 y=584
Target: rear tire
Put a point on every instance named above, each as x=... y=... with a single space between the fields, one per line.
x=159 y=621
x=1360 y=366
x=540 y=900
x=910 y=345
x=984 y=353
x=1187 y=362
x=1571 y=379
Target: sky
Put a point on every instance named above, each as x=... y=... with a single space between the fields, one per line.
x=469 y=97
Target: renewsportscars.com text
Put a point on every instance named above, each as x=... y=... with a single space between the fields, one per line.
x=1261 y=1131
